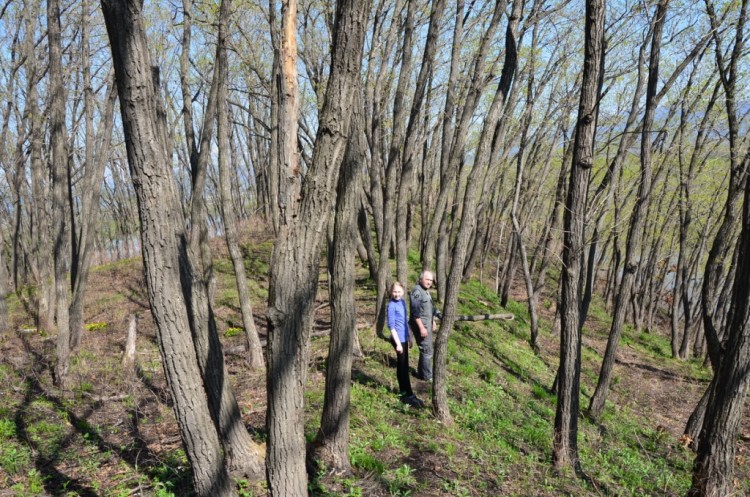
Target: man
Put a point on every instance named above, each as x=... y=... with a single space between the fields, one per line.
x=422 y=322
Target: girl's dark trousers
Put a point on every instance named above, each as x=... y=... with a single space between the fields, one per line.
x=402 y=370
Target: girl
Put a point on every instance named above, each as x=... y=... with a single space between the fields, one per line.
x=401 y=340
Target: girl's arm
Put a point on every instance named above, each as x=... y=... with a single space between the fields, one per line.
x=391 y=312
x=396 y=340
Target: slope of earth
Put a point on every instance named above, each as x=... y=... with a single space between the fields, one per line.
x=113 y=432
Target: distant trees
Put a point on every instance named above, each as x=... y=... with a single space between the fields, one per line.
x=635 y=229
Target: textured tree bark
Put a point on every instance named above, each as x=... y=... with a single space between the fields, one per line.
x=714 y=264
x=565 y=437
x=254 y=349
x=59 y=159
x=713 y=468
x=331 y=443
x=635 y=232
x=4 y=285
x=164 y=244
x=244 y=457
x=41 y=244
x=296 y=259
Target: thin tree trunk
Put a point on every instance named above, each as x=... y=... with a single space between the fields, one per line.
x=468 y=220
x=409 y=145
x=565 y=438
x=59 y=161
x=90 y=203
x=4 y=285
x=636 y=221
x=393 y=167
x=254 y=348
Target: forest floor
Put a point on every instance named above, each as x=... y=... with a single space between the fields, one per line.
x=112 y=433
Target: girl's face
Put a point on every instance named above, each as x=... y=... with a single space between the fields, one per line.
x=397 y=293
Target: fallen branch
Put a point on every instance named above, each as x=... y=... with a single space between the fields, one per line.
x=487 y=317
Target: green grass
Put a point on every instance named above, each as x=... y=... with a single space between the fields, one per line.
x=499 y=397
x=503 y=411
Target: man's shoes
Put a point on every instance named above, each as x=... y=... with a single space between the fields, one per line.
x=412 y=400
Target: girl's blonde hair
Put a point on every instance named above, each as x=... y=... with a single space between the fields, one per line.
x=394 y=285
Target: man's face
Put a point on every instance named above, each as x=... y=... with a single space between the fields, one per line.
x=426 y=280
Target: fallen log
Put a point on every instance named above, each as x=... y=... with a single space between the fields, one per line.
x=487 y=317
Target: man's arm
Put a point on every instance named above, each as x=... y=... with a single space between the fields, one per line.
x=416 y=312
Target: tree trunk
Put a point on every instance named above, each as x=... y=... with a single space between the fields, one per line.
x=332 y=441
x=59 y=162
x=713 y=469
x=164 y=244
x=254 y=348
x=393 y=168
x=90 y=202
x=409 y=145
x=296 y=259
x=565 y=439
x=636 y=223
x=468 y=220
x=4 y=285
x=714 y=264
x=40 y=243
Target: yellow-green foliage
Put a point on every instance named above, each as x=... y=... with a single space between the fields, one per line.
x=96 y=326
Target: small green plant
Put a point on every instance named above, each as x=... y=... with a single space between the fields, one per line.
x=96 y=326
x=233 y=332
x=7 y=429
x=365 y=461
x=14 y=458
x=401 y=480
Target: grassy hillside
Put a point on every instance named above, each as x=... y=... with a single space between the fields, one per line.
x=114 y=433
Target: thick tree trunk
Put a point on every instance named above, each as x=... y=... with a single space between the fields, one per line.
x=565 y=439
x=713 y=469
x=296 y=259
x=164 y=244
x=332 y=441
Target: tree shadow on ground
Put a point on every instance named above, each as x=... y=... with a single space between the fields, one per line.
x=367 y=380
x=48 y=459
